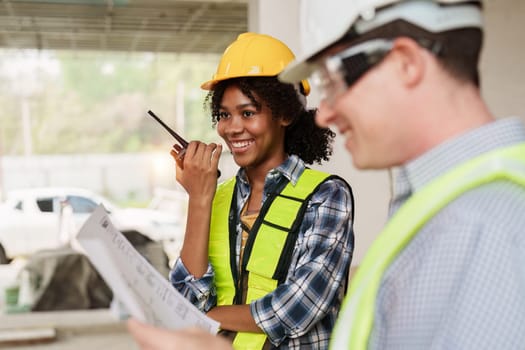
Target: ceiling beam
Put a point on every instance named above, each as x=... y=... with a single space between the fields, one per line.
x=140 y=25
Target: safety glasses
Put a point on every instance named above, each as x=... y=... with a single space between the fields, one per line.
x=335 y=74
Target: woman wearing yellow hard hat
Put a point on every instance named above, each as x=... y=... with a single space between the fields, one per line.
x=266 y=253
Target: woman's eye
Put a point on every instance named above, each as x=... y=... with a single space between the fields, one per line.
x=222 y=115
x=248 y=114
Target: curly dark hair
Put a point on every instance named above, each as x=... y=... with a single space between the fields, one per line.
x=303 y=137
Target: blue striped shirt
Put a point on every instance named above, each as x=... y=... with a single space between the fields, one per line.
x=301 y=312
x=460 y=283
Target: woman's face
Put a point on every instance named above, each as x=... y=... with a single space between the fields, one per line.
x=254 y=137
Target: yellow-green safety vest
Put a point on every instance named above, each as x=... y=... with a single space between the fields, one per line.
x=269 y=247
x=354 y=325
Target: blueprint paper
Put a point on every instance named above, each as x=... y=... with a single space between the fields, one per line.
x=146 y=294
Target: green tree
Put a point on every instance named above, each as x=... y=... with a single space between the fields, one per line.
x=97 y=102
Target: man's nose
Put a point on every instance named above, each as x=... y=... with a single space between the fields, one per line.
x=325 y=114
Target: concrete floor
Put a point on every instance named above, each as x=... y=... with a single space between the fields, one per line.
x=79 y=330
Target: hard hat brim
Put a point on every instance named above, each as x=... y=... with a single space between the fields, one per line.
x=208 y=85
x=297 y=70
x=318 y=35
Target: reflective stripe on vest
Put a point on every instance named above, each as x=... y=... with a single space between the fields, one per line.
x=355 y=322
x=219 y=230
x=268 y=256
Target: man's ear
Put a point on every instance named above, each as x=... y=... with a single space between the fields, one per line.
x=411 y=61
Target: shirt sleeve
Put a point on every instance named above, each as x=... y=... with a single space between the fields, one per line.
x=199 y=291
x=320 y=268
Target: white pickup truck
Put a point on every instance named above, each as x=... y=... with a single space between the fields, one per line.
x=31 y=220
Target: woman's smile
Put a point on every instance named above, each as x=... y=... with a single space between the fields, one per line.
x=240 y=146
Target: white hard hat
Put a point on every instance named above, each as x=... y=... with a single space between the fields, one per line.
x=325 y=22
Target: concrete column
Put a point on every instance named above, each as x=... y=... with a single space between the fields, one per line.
x=276 y=18
x=501 y=68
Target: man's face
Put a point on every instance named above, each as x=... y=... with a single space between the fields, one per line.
x=368 y=113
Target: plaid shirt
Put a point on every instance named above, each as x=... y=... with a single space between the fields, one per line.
x=301 y=312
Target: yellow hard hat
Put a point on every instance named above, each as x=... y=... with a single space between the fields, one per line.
x=253 y=55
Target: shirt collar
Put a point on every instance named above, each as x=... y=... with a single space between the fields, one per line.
x=501 y=133
x=291 y=168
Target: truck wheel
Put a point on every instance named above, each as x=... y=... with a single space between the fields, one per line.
x=3 y=256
